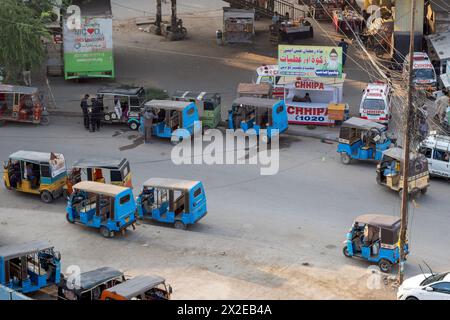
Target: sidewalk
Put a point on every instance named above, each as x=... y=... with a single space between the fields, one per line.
x=319 y=132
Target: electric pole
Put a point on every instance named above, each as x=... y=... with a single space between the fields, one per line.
x=158 y=17
x=406 y=147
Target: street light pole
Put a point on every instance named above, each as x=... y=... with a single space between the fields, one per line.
x=406 y=148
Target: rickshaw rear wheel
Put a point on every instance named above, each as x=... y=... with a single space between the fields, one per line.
x=424 y=191
x=345 y=158
x=180 y=225
x=134 y=126
x=45 y=121
x=46 y=196
x=385 y=266
x=345 y=252
x=105 y=232
x=412 y=298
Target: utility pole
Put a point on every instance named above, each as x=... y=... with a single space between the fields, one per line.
x=406 y=147
x=158 y=17
x=173 y=27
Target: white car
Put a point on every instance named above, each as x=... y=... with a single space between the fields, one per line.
x=426 y=287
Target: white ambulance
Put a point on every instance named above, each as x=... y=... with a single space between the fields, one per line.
x=376 y=103
x=424 y=75
x=436 y=149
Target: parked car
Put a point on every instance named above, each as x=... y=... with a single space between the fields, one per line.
x=427 y=286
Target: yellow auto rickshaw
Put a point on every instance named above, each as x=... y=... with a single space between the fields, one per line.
x=38 y=173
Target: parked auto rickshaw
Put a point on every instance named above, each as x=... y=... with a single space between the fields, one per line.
x=389 y=172
x=22 y=104
x=258 y=113
x=114 y=171
x=177 y=120
x=178 y=202
x=91 y=284
x=139 y=288
x=105 y=207
x=37 y=173
x=208 y=106
x=122 y=105
x=362 y=139
x=262 y=90
x=375 y=238
x=29 y=267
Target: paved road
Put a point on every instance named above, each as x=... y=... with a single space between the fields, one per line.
x=262 y=235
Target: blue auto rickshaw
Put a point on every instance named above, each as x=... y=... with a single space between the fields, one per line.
x=29 y=267
x=362 y=139
x=258 y=113
x=106 y=207
x=178 y=202
x=176 y=120
x=375 y=238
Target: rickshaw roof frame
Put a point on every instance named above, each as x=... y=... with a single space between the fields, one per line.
x=379 y=220
x=100 y=162
x=166 y=183
x=32 y=156
x=256 y=102
x=6 y=88
x=198 y=96
x=93 y=278
x=120 y=91
x=135 y=286
x=362 y=124
x=168 y=104
x=100 y=188
x=9 y=252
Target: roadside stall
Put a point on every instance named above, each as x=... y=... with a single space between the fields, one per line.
x=238 y=25
x=344 y=21
x=314 y=102
x=323 y=9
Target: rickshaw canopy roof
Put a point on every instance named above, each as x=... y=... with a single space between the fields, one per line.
x=100 y=188
x=120 y=90
x=168 y=104
x=362 y=124
x=19 y=250
x=32 y=156
x=171 y=183
x=379 y=220
x=135 y=286
x=397 y=154
x=93 y=278
x=256 y=102
x=252 y=88
x=6 y=88
x=108 y=163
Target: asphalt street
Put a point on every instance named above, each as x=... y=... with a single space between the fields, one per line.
x=256 y=227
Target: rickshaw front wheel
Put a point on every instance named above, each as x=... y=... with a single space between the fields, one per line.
x=345 y=252
x=46 y=196
x=345 y=158
x=68 y=219
x=105 y=232
x=134 y=126
x=385 y=265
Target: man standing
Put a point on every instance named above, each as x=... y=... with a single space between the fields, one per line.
x=344 y=46
x=441 y=105
x=98 y=114
x=149 y=116
x=84 y=107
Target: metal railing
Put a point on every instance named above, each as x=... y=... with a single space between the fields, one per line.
x=280 y=6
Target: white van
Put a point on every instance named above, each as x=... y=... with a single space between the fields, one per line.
x=424 y=75
x=376 y=103
x=436 y=149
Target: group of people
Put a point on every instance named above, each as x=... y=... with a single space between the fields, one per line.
x=15 y=175
x=92 y=113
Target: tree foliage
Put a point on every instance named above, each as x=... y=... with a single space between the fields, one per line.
x=22 y=28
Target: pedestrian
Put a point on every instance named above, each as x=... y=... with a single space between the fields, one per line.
x=27 y=75
x=98 y=114
x=286 y=17
x=441 y=105
x=275 y=18
x=149 y=116
x=84 y=107
x=344 y=45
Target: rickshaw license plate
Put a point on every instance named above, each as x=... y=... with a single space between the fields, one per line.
x=127 y=220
